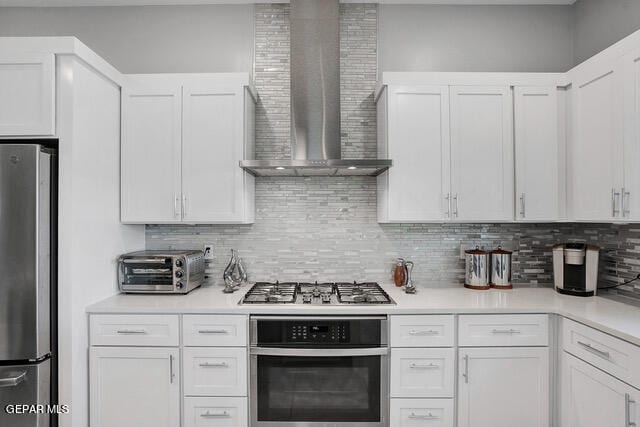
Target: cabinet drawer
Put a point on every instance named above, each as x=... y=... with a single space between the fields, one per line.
x=214 y=331
x=215 y=371
x=615 y=356
x=500 y=330
x=134 y=330
x=422 y=412
x=422 y=331
x=422 y=372
x=215 y=411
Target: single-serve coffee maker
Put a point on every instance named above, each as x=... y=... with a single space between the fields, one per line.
x=575 y=269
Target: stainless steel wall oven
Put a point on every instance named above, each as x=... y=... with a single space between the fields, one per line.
x=319 y=371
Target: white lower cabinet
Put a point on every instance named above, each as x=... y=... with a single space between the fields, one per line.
x=134 y=387
x=422 y=372
x=592 y=398
x=215 y=371
x=503 y=387
x=422 y=413
x=215 y=411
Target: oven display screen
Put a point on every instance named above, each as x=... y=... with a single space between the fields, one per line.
x=319 y=329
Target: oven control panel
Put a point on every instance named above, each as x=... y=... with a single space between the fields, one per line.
x=318 y=332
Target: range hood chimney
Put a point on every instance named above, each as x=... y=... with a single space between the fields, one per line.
x=315 y=99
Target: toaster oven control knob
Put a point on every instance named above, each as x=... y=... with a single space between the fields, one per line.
x=179 y=285
x=179 y=263
x=179 y=274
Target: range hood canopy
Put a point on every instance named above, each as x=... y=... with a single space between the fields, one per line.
x=315 y=99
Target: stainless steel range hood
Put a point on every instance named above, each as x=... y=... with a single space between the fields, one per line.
x=315 y=99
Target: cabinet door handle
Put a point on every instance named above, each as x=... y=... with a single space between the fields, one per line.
x=455 y=205
x=429 y=416
x=448 y=199
x=213 y=331
x=615 y=195
x=176 y=212
x=627 y=411
x=131 y=331
x=506 y=331
x=429 y=366
x=465 y=374
x=213 y=365
x=223 y=414
x=417 y=332
x=171 y=374
x=625 y=202
x=592 y=349
x=184 y=205
x=522 y=205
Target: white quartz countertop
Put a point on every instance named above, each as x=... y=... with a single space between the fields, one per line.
x=613 y=317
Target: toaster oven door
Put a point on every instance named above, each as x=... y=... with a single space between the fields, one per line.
x=146 y=274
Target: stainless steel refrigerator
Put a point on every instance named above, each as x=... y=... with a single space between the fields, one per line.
x=27 y=283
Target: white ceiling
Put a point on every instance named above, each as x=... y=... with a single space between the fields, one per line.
x=37 y=3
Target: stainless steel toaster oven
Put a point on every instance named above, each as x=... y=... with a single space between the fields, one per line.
x=168 y=272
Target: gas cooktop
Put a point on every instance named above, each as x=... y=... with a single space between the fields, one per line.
x=316 y=293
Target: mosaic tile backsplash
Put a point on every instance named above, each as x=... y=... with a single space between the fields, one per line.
x=325 y=228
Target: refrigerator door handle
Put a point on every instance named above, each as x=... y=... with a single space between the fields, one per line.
x=14 y=380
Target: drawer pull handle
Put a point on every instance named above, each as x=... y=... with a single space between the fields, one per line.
x=627 y=414
x=223 y=414
x=214 y=365
x=429 y=416
x=506 y=331
x=429 y=332
x=429 y=366
x=14 y=380
x=131 y=331
x=593 y=350
x=213 y=331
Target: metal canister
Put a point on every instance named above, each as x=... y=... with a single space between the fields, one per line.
x=500 y=268
x=477 y=269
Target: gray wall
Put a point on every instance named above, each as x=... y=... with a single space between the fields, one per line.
x=217 y=38
x=476 y=38
x=601 y=23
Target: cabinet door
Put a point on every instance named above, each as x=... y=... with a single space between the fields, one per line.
x=592 y=398
x=631 y=192
x=150 y=155
x=538 y=154
x=595 y=148
x=27 y=95
x=503 y=387
x=134 y=387
x=418 y=143
x=482 y=153
x=213 y=145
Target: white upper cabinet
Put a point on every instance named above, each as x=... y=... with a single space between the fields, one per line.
x=182 y=140
x=630 y=193
x=539 y=154
x=482 y=176
x=595 y=154
x=27 y=95
x=150 y=154
x=213 y=185
x=416 y=188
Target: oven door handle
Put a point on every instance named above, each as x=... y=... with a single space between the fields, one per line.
x=319 y=352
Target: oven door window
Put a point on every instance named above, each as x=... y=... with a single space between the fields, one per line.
x=159 y=272
x=318 y=389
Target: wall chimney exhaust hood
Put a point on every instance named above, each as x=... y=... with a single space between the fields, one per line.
x=315 y=99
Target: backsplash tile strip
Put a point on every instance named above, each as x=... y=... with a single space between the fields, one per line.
x=325 y=228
